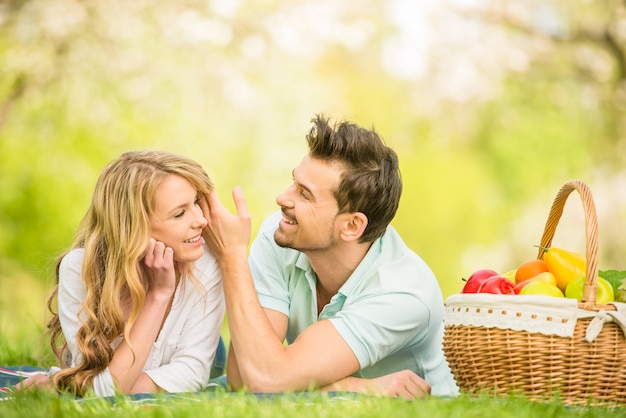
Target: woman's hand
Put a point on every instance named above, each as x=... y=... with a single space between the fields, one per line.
x=160 y=269
x=129 y=357
x=38 y=381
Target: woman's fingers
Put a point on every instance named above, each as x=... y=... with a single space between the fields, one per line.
x=149 y=255
x=158 y=255
x=38 y=381
x=159 y=269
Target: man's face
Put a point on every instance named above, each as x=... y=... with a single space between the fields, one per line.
x=309 y=207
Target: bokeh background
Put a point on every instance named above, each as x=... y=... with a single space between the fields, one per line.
x=491 y=105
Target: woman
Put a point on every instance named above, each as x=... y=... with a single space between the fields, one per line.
x=140 y=299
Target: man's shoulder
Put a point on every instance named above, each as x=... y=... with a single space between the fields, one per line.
x=398 y=259
x=392 y=233
x=393 y=245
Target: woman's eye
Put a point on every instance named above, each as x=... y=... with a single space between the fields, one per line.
x=179 y=214
x=197 y=201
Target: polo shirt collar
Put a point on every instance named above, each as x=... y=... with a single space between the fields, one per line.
x=362 y=269
x=355 y=278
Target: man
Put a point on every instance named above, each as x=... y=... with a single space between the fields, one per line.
x=358 y=309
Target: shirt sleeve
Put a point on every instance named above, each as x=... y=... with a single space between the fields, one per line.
x=400 y=306
x=266 y=266
x=71 y=296
x=379 y=325
x=189 y=367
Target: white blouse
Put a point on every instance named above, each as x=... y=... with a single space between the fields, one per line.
x=182 y=355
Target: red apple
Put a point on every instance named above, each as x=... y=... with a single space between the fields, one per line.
x=498 y=285
x=476 y=279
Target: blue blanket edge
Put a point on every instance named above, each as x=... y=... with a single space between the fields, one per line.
x=12 y=375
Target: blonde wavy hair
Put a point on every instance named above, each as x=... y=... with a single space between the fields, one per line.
x=114 y=233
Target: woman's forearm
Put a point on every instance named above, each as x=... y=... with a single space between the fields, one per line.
x=130 y=356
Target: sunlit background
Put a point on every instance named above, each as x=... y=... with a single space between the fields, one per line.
x=491 y=106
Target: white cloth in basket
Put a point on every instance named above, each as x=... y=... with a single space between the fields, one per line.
x=544 y=314
x=596 y=324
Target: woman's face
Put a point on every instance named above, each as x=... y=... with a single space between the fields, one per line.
x=177 y=219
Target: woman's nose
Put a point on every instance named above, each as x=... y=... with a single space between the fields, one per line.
x=200 y=220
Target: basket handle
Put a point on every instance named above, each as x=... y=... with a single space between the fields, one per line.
x=591 y=233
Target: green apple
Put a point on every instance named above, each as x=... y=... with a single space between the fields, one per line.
x=510 y=275
x=618 y=281
x=539 y=287
x=576 y=287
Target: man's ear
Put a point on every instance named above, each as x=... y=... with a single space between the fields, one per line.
x=354 y=226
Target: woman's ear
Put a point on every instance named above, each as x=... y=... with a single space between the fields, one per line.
x=354 y=226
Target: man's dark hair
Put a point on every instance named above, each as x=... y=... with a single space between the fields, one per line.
x=371 y=182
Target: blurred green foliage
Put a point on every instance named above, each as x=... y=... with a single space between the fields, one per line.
x=507 y=103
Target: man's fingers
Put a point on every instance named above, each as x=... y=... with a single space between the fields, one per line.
x=406 y=393
x=214 y=202
x=204 y=206
x=240 y=203
x=422 y=388
x=423 y=385
x=422 y=392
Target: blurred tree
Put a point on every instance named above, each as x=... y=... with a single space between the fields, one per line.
x=491 y=106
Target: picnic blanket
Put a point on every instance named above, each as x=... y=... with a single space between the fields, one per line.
x=216 y=388
x=12 y=375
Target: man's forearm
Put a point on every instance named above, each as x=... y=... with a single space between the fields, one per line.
x=232 y=370
x=249 y=328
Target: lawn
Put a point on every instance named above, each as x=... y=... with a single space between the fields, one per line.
x=289 y=406
x=22 y=343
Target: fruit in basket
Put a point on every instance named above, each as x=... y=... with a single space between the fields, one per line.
x=618 y=281
x=476 y=279
x=498 y=285
x=510 y=275
x=529 y=269
x=576 y=287
x=565 y=265
x=539 y=287
x=546 y=277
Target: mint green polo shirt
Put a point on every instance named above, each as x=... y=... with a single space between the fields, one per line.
x=389 y=311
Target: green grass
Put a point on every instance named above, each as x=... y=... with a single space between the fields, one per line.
x=22 y=321
x=289 y=406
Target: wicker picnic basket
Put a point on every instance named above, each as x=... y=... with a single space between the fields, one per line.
x=487 y=355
